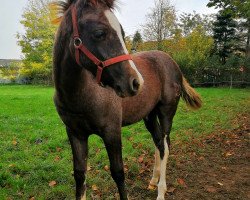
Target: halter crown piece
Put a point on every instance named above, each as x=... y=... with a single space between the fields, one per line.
x=79 y=46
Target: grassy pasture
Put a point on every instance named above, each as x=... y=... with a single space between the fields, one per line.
x=35 y=156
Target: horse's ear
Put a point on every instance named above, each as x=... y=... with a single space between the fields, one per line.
x=110 y=3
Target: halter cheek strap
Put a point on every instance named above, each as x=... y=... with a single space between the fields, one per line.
x=80 y=47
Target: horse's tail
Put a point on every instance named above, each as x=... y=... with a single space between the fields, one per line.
x=190 y=96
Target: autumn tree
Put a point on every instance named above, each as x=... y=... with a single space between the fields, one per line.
x=160 y=22
x=193 y=52
x=37 y=41
x=11 y=71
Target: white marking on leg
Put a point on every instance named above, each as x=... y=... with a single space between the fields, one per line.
x=117 y=27
x=162 y=186
x=84 y=197
x=156 y=171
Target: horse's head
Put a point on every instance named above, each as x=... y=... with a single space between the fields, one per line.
x=102 y=35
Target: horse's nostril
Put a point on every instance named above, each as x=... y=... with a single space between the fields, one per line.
x=135 y=85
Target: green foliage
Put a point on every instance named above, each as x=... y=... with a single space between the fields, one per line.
x=225 y=35
x=37 y=41
x=190 y=21
x=190 y=52
x=240 y=10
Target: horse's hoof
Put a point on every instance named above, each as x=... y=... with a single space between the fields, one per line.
x=154 y=182
x=152 y=186
x=160 y=198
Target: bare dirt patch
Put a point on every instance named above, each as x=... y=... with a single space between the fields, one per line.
x=211 y=167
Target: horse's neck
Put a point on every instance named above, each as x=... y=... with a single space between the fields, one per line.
x=74 y=82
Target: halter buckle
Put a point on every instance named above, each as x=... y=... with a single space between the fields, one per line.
x=77 y=42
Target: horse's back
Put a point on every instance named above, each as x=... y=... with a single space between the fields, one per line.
x=160 y=62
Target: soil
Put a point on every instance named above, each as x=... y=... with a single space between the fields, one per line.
x=216 y=166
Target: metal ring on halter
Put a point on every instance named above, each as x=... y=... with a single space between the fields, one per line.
x=77 y=42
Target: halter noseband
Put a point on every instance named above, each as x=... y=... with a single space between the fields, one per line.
x=79 y=46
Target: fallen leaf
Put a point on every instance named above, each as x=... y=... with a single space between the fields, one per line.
x=171 y=189
x=201 y=158
x=58 y=149
x=12 y=165
x=94 y=188
x=52 y=183
x=125 y=167
x=228 y=154
x=98 y=150
x=106 y=168
x=32 y=198
x=152 y=187
x=141 y=158
x=181 y=182
x=57 y=158
x=88 y=168
x=14 y=142
x=210 y=189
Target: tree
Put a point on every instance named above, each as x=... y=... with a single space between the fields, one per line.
x=137 y=39
x=128 y=42
x=193 y=54
x=189 y=21
x=224 y=35
x=161 y=22
x=37 y=41
x=239 y=9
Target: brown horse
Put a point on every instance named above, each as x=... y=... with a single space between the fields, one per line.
x=147 y=85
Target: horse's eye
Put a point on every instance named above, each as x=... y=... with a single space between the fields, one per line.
x=99 y=34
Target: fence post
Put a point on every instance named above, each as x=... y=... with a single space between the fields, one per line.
x=231 y=81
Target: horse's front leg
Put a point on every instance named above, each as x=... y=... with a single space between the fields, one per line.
x=113 y=145
x=79 y=146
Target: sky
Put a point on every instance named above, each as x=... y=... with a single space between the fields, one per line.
x=131 y=14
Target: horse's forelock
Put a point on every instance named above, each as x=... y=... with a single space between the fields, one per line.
x=58 y=8
x=109 y=3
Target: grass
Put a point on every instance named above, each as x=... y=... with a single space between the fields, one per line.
x=35 y=151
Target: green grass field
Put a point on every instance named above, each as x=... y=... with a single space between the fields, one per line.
x=35 y=151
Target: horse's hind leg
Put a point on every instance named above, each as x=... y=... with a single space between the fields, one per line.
x=160 y=133
x=153 y=127
x=166 y=114
x=79 y=146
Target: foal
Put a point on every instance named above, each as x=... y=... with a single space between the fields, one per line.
x=93 y=74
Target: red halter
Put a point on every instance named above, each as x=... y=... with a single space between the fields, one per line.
x=79 y=46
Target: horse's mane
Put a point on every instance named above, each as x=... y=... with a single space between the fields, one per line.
x=58 y=8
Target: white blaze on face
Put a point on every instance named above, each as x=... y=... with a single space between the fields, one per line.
x=113 y=21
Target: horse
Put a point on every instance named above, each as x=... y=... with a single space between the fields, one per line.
x=100 y=87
